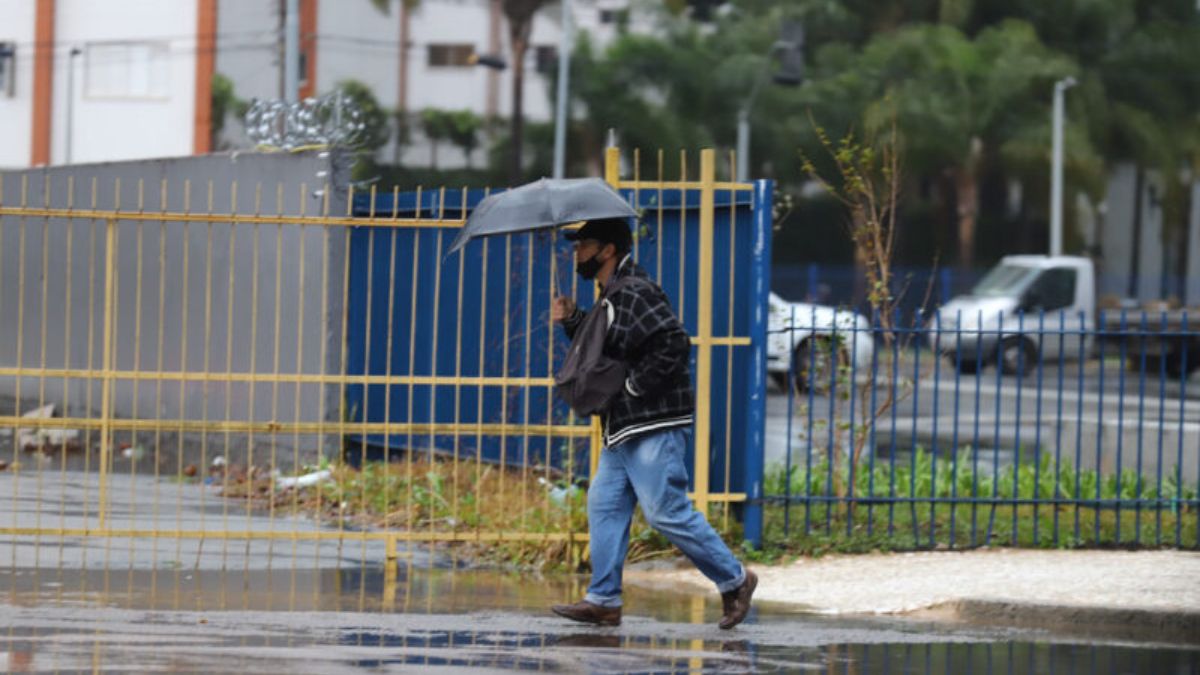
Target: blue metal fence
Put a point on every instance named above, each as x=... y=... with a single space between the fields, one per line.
x=413 y=313
x=920 y=288
x=1030 y=429
x=843 y=285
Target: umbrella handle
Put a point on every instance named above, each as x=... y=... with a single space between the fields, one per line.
x=558 y=284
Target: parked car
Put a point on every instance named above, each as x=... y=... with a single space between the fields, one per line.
x=809 y=341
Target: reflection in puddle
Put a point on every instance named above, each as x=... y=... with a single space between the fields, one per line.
x=300 y=621
x=411 y=589
x=454 y=651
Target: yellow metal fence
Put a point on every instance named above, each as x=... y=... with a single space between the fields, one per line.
x=191 y=340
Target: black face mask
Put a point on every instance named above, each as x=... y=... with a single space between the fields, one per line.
x=588 y=269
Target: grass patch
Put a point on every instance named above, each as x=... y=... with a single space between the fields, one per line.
x=443 y=496
x=895 y=509
x=890 y=509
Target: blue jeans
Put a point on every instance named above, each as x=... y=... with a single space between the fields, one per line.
x=650 y=469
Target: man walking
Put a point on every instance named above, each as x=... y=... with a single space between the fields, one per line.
x=646 y=427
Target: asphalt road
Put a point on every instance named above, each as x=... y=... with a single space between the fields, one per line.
x=1097 y=412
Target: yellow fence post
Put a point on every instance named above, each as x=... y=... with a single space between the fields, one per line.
x=708 y=173
x=106 y=393
x=391 y=560
x=612 y=174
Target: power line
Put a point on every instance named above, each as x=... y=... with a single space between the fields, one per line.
x=41 y=45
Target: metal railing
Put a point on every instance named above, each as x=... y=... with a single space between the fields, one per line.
x=1038 y=429
x=194 y=361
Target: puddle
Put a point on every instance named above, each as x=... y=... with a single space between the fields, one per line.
x=370 y=589
x=355 y=650
x=445 y=620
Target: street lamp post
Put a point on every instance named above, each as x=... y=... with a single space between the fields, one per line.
x=492 y=61
x=75 y=51
x=291 y=51
x=1056 y=169
x=560 y=107
x=743 y=134
x=789 y=45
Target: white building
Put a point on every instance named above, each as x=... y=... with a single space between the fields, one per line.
x=99 y=80
x=90 y=81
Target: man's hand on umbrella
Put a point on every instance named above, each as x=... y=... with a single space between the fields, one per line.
x=562 y=308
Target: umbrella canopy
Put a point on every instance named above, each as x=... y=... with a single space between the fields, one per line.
x=545 y=203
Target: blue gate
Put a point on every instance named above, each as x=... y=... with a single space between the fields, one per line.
x=459 y=351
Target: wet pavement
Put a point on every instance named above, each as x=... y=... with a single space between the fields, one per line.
x=235 y=535
x=457 y=620
x=264 y=602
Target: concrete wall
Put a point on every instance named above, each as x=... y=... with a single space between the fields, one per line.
x=190 y=296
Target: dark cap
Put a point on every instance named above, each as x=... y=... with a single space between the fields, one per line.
x=608 y=231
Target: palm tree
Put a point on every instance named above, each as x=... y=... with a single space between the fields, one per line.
x=958 y=101
x=520 y=24
x=401 y=112
x=1137 y=96
x=520 y=15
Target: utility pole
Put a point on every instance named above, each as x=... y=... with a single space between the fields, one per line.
x=564 y=77
x=790 y=49
x=291 y=51
x=1056 y=168
x=75 y=51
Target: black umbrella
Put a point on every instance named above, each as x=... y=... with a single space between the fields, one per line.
x=543 y=204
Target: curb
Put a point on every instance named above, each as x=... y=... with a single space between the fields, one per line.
x=1180 y=627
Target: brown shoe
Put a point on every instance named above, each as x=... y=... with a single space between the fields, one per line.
x=586 y=612
x=737 y=602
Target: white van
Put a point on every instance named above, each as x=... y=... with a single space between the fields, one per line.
x=1027 y=307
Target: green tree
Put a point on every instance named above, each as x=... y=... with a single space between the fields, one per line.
x=1138 y=94
x=437 y=126
x=957 y=100
x=464 y=127
x=374 y=118
x=651 y=91
x=223 y=102
x=400 y=114
x=520 y=15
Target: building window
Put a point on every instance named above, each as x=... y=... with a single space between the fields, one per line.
x=8 y=68
x=127 y=70
x=450 y=55
x=615 y=16
x=547 y=58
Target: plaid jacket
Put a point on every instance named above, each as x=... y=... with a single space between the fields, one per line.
x=645 y=334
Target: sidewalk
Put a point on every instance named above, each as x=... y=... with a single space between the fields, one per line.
x=1151 y=593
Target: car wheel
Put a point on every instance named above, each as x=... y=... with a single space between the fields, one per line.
x=1016 y=356
x=815 y=363
x=779 y=380
x=966 y=365
x=1172 y=364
